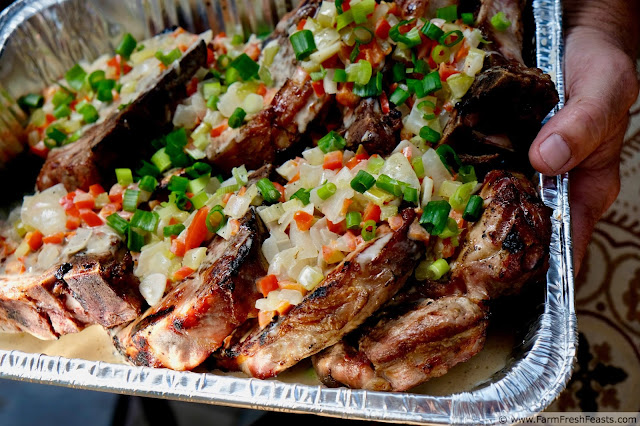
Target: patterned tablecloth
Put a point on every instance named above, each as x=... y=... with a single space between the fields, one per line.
x=607 y=370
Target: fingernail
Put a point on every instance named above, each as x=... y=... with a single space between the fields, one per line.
x=555 y=152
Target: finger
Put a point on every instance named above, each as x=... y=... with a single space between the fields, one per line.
x=594 y=187
x=598 y=99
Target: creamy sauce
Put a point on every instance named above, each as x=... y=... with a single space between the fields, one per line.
x=94 y=344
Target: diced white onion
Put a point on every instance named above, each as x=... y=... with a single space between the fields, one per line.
x=194 y=257
x=434 y=168
x=398 y=167
x=43 y=211
x=310 y=277
x=152 y=288
x=48 y=256
x=78 y=242
x=427 y=190
x=314 y=156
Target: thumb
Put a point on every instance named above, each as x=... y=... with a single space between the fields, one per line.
x=602 y=86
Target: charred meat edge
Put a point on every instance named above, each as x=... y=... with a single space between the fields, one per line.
x=91 y=158
x=86 y=290
x=355 y=289
x=194 y=318
x=404 y=350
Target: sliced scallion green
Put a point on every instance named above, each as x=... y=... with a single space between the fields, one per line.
x=147 y=221
x=353 y=220
x=473 y=210
x=215 y=219
x=170 y=57
x=148 y=183
x=362 y=182
x=116 y=222
x=268 y=190
x=332 y=141
x=327 y=190
x=237 y=118
x=89 y=113
x=368 y=230
x=303 y=195
x=171 y=230
x=245 y=66
x=75 y=77
x=130 y=200
x=500 y=22
x=448 y=13
x=126 y=46
x=435 y=215
x=124 y=176
x=430 y=135
x=31 y=101
x=432 y=31
x=303 y=44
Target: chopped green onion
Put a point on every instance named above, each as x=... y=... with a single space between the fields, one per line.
x=437 y=269
x=115 y=221
x=124 y=176
x=148 y=183
x=399 y=72
x=241 y=175
x=466 y=174
x=62 y=96
x=389 y=185
x=237 y=118
x=448 y=13
x=147 y=221
x=55 y=134
x=355 y=52
x=62 y=111
x=361 y=9
x=181 y=201
x=458 y=39
x=411 y=38
x=446 y=154
x=340 y=76
x=170 y=57
x=237 y=40
x=212 y=103
x=171 y=230
x=467 y=18
x=440 y=54
x=245 y=66
x=318 y=75
x=74 y=136
x=227 y=189
x=198 y=169
x=199 y=200
x=461 y=195
x=399 y=96
x=451 y=230
x=303 y=44
x=353 y=220
x=362 y=34
x=500 y=22
x=362 y=182
x=473 y=210
x=430 y=135
x=198 y=184
x=332 y=141
x=96 y=77
x=161 y=160
x=430 y=83
x=339 y=6
x=372 y=88
x=435 y=215
x=411 y=195
x=89 y=113
x=368 y=230
x=135 y=241
x=31 y=101
x=178 y=184
x=211 y=88
x=215 y=219
x=268 y=190
x=75 y=77
x=420 y=67
x=360 y=72
x=126 y=46
x=302 y=195
x=327 y=190
x=104 y=88
x=130 y=200
x=374 y=164
x=344 y=19
x=418 y=166
x=432 y=31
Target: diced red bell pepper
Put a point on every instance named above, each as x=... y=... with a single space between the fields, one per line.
x=90 y=217
x=197 y=231
x=371 y=212
x=333 y=160
x=267 y=284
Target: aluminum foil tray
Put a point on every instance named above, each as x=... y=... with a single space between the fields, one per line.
x=40 y=39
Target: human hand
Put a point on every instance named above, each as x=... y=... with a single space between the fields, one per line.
x=586 y=136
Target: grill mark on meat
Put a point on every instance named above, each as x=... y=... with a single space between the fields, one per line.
x=90 y=159
x=193 y=319
x=344 y=300
x=512 y=242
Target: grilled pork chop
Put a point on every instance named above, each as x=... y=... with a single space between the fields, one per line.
x=509 y=245
x=91 y=158
x=508 y=43
x=406 y=348
x=194 y=318
x=86 y=289
x=355 y=289
x=281 y=123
